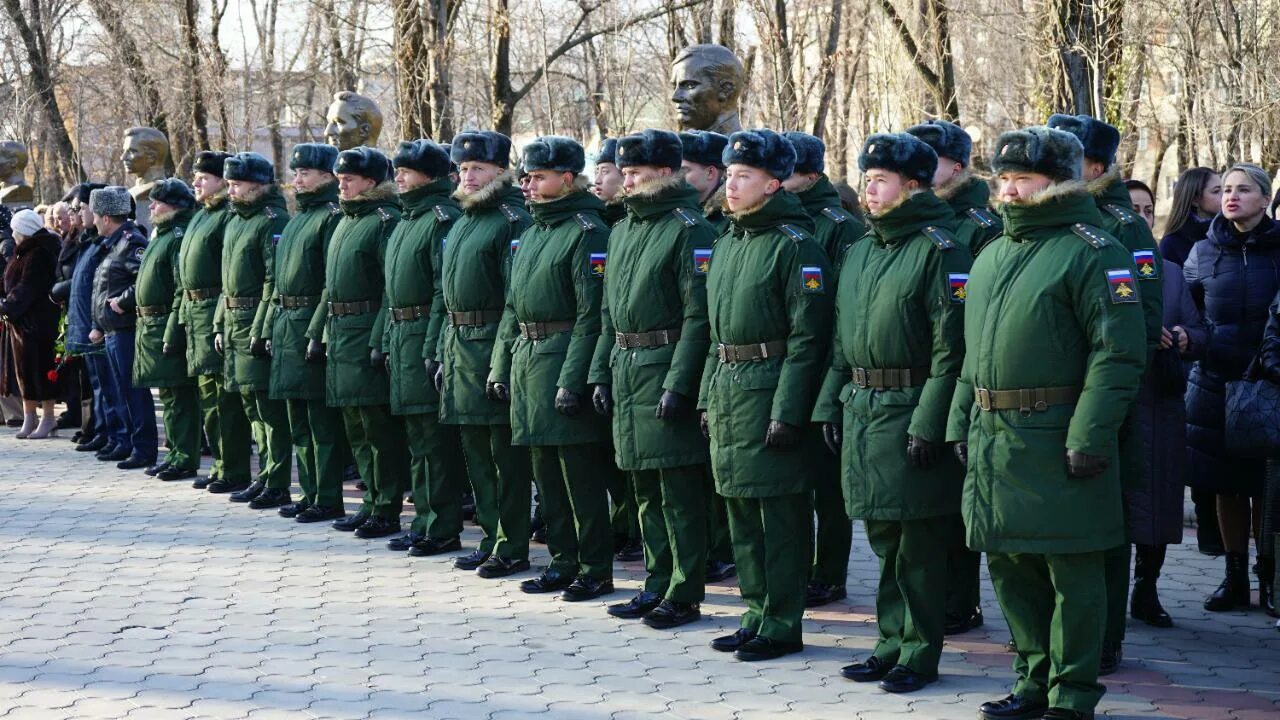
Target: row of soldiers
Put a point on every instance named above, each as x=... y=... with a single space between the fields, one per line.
x=813 y=364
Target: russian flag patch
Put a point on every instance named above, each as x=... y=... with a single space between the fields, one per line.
x=701 y=261
x=1145 y=260
x=811 y=279
x=958 y=284
x=597 y=263
x=1120 y=283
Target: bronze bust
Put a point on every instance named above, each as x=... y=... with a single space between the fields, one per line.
x=707 y=81
x=352 y=120
x=146 y=155
x=14 y=190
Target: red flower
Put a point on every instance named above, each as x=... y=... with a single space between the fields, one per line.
x=52 y=375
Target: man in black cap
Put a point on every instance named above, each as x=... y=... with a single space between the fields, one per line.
x=606 y=183
x=704 y=170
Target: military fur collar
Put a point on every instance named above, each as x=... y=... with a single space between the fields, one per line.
x=1103 y=182
x=382 y=191
x=748 y=211
x=485 y=194
x=902 y=199
x=948 y=189
x=651 y=189
x=216 y=199
x=1055 y=191
x=580 y=184
x=159 y=219
x=252 y=195
x=716 y=202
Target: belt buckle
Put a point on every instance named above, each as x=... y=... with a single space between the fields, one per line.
x=860 y=377
x=984 y=399
x=723 y=351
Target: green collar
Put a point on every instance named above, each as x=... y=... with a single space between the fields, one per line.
x=662 y=198
x=322 y=195
x=381 y=196
x=914 y=214
x=424 y=197
x=557 y=211
x=1049 y=214
x=270 y=197
x=783 y=208
x=182 y=217
x=973 y=193
x=820 y=196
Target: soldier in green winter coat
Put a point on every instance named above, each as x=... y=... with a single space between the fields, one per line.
x=647 y=367
x=1054 y=354
x=769 y=306
x=413 y=308
x=475 y=269
x=347 y=330
x=297 y=379
x=248 y=282
x=172 y=204
x=896 y=354
x=1101 y=141
x=191 y=326
x=975 y=227
x=606 y=182
x=835 y=230
x=703 y=154
x=547 y=336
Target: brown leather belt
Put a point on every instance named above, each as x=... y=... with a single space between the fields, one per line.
x=360 y=307
x=889 y=378
x=291 y=302
x=472 y=318
x=1026 y=400
x=544 y=330
x=240 y=303
x=650 y=339
x=409 y=312
x=203 y=293
x=748 y=353
x=153 y=310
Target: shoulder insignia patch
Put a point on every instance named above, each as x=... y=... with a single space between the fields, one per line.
x=1090 y=235
x=271 y=212
x=701 y=261
x=1120 y=284
x=510 y=213
x=442 y=214
x=940 y=237
x=685 y=217
x=515 y=245
x=791 y=232
x=138 y=253
x=983 y=217
x=382 y=213
x=585 y=222
x=837 y=215
x=179 y=232
x=334 y=208
x=596 y=264
x=957 y=285
x=811 y=279
x=275 y=240
x=1123 y=214
x=1145 y=261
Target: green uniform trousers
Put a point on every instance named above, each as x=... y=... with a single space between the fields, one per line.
x=624 y=518
x=575 y=508
x=500 y=481
x=834 y=532
x=672 y=502
x=910 y=611
x=1116 y=568
x=1056 y=608
x=963 y=591
x=719 y=547
x=274 y=437
x=182 y=426
x=437 y=481
x=317 y=435
x=378 y=443
x=771 y=548
x=207 y=390
x=229 y=434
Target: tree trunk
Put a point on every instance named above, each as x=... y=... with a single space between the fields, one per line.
x=153 y=113
x=410 y=49
x=190 y=20
x=503 y=101
x=827 y=73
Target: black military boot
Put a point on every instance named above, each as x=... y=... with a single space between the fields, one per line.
x=1234 y=590
x=1266 y=570
x=1144 y=604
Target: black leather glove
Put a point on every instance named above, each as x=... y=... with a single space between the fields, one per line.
x=315 y=351
x=1081 y=465
x=923 y=453
x=217 y=343
x=435 y=371
x=781 y=435
x=602 y=399
x=961 y=449
x=673 y=406
x=833 y=436
x=257 y=347
x=497 y=391
x=171 y=350
x=703 y=426
x=377 y=359
x=568 y=402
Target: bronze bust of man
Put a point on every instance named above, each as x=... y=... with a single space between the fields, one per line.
x=352 y=120
x=14 y=189
x=146 y=156
x=707 y=81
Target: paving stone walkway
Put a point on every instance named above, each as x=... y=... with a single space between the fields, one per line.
x=125 y=597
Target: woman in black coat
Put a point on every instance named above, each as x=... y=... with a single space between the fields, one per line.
x=31 y=321
x=1233 y=274
x=1197 y=198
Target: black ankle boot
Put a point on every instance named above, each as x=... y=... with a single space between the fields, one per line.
x=1144 y=604
x=1266 y=579
x=1234 y=590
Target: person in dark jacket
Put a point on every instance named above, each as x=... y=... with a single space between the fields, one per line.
x=73 y=381
x=114 y=319
x=1268 y=368
x=106 y=428
x=1197 y=198
x=1232 y=274
x=31 y=321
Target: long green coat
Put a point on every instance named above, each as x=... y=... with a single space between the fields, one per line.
x=477 y=264
x=976 y=224
x=658 y=260
x=899 y=304
x=769 y=281
x=412 y=272
x=353 y=273
x=1119 y=219
x=299 y=272
x=200 y=268
x=556 y=275
x=835 y=228
x=158 y=284
x=248 y=270
x=1047 y=307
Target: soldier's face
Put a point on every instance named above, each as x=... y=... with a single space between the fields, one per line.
x=408 y=179
x=351 y=186
x=160 y=208
x=1242 y=200
x=474 y=175
x=747 y=187
x=308 y=179
x=137 y=158
x=637 y=176
x=546 y=185
x=524 y=186
x=206 y=185
x=947 y=170
x=885 y=189
x=242 y=190
x=342 y=129
x=694 y=92
x=608 y=181
x=704 y=178
x=1019 y=187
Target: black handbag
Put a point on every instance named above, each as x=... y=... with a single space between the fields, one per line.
x=1253 y=415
